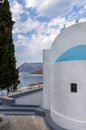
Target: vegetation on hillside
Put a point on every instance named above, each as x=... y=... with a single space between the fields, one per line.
x=33 y=84
x=38 y=72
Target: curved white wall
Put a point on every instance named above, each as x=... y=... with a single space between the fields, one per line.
x=70 y=37
x=69 y=109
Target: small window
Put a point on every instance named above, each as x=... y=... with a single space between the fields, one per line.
x=74 y=87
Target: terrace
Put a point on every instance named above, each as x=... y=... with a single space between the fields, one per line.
x=28 y=104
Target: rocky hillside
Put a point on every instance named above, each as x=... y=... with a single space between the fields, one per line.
x=30 y=67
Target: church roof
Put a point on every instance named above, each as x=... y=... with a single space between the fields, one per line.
x=75 y=53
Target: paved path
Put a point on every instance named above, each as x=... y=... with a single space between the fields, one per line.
x=25 y=104
x=26 y=123
x=28 y=104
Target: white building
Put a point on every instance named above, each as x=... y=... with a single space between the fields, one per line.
x=64 y=91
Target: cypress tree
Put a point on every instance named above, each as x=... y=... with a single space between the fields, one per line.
x=8 y=72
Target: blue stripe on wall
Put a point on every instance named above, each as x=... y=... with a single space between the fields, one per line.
x=75 y=53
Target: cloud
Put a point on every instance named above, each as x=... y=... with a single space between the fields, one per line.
x=31 y=49
x=24 y=27
x=48 y=7
x=82 y=20
x=53 y=7
x=44 y=36
x=79 y=3
x=82 y=10
x=33 y=35
x=17 y=10
x=28 y=48
x=32 y=3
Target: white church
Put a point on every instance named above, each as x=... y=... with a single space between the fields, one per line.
x=64 y=93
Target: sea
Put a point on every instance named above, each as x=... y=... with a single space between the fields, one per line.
x=26 y=79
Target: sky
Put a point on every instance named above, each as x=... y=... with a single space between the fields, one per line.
x=38 y=22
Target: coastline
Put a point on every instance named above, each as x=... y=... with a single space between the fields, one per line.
x=27 y=89
x=27 y=79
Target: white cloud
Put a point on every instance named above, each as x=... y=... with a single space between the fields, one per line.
x=48 y=7
x=32 y=3
x=22 y=40
x=53 y=7
x=82 y=20
x=83 y=10
x=24 y=27
x=56 y=22
x=17 y=10
x=40 y=42
x=31 y=47
x=44 y=36
x=85 y=6
x=79 y=2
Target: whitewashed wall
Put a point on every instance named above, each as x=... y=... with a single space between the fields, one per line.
x=47 y=83
x=70 y=37
x=68 y=109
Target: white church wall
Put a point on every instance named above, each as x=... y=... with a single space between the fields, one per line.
x=68 y=109
x=70 y=37
x=46 y=86
x=48 y=55
x=46 y=78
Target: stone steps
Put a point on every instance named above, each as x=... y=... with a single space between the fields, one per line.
x=21 y=110
x=17 y=113
x=18 y=110
x=27 y=106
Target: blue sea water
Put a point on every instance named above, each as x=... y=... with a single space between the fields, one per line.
x=26 y=79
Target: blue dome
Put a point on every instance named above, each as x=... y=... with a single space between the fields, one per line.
x=75 y=53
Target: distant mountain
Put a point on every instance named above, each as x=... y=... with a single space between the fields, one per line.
x=30 y=67
x=38 y=72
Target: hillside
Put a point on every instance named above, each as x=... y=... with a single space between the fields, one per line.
x=30 y=67
x=38 y=72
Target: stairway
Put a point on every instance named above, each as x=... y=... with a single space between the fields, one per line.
x=22 y=104
x=18 y=110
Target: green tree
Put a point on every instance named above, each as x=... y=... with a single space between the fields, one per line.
x=8 y=73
